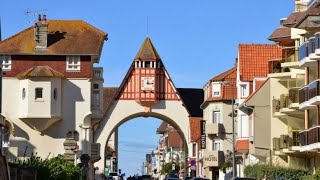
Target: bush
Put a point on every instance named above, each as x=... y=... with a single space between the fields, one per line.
x=51 y=169
x=273 y=172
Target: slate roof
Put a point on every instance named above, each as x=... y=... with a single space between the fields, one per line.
x=147 y=51
x=40 y=71
x=293 y=18
x=108 y=96
x=280 y=32
x=192 y=99
x=254 y=59
x=65 y=37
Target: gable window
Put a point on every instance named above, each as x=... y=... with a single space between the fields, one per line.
x=38 y=93
x=216 y=89
x=73 y=63
x=244 y=90
x=6 y=62
x=216 y=117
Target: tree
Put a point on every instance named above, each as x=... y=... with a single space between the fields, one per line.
x=167 y=168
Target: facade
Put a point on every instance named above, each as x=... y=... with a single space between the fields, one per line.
x=148 y=91
x=217 y=109
x=253 y=66
x=52 y=93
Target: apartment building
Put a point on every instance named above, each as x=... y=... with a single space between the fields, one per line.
x=219 y=94
x=253 y=66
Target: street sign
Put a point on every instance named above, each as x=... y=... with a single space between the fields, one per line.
x=173 y=167
x=193 y=162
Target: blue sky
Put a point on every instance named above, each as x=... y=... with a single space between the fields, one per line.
x=195 y=39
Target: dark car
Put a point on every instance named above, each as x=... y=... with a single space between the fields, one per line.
x=199 y=178
x=145 y=177
x=171 y=176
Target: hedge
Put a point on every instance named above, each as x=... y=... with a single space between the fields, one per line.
x=51 y=169
x=274 y=172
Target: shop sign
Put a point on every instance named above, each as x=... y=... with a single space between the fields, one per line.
x=203 y=134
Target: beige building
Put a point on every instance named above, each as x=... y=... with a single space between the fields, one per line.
x=217 y=108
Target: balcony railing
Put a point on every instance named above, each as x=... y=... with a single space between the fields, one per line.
x=303 y=94
x=311 y=45
x=293 y=95
x=310 y=136
x=97 y=73
x=314 y=89
x=214 y=129
x=286 y=141
x=284 y=101
x=303 y=51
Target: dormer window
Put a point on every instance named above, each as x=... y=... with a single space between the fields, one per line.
x=244 y=90
x=6 y=62
x=216 y=89
x=73 y=63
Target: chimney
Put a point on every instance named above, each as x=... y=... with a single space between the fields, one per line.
x=41 y=33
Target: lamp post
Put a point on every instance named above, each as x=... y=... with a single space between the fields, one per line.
x=233 y=132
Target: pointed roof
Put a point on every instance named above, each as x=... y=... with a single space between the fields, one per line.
x=147 y=51
x=40 y=71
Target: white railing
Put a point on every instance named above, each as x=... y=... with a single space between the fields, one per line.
x=97 y=72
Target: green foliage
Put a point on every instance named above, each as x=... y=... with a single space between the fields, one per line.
x=312 y=177
x=51 y=169
x=167 y=168
x=273 y=172
x=225 y=166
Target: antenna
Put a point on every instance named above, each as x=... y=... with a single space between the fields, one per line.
x=34 y=14
x=147 y=26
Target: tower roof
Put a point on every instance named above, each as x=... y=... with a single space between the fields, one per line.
x=147 y=51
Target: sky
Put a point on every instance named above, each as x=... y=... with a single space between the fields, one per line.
x=196 y=40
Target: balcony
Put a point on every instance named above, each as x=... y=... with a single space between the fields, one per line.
x=286 y=143
x=276 y=109
x=95 y=152
x=213 y=158
x=214 y=129
x=293 y=101
x=97 y=73
x=304 y=98
x=309 y=51
x=310 y=139
x=313 y=92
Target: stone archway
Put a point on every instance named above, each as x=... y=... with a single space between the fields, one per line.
x=172 y=112
x=148 y=91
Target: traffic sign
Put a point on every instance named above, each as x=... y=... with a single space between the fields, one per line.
x=193 y=167
x=193 y=162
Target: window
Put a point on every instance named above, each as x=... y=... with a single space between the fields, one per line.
x=95 y=86
x=244 y=125
x=23 y=93
x=73 y=63
x=55 y=93
x=194 y=150
x=96 y=98
x=215 y=145
x=148 y=64
x=244 y=90
x=216 y=117
x=38 y=93
x=6 y=62
x=216 y=89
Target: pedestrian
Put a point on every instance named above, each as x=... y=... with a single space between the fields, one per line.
x=265 y=177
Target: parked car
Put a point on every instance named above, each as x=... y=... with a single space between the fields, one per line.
x=199 y=178
x=113 y=176
x=171 y=176
x=145 y=177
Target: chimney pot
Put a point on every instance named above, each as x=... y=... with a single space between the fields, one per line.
x=39 y=17
x=44 y=17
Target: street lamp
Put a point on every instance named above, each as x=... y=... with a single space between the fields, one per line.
x=226 y=83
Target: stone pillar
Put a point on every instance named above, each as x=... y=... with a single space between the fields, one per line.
x=70 y=146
